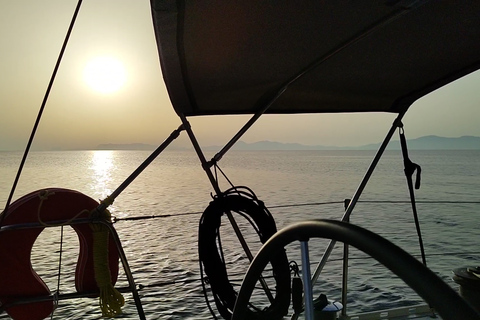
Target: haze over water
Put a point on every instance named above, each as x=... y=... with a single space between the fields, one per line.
x=86 y=110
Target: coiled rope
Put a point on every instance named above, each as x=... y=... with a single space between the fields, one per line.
x=243 y=201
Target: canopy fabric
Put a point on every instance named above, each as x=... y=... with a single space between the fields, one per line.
x=234 y=57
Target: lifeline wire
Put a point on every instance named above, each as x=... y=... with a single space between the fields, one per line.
x=42 y=107
x=60 y=259
x=147 y=217
x=59 y=269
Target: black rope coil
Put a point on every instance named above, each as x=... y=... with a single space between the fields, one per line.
x=243 y=201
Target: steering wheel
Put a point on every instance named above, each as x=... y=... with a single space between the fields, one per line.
x=438 y=294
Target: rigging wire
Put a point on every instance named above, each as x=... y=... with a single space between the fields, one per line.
x=60 y=259
x=42 y=108
x=147 y=217
x=224 y=175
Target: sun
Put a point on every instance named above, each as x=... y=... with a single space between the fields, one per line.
x=105 y=74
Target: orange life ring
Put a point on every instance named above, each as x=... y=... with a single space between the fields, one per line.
x=18 y=280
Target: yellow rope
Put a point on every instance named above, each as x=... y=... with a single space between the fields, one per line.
x=111 y=300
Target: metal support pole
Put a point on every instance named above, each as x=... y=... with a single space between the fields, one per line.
x=57 y=297
x=216 y=187
x=109 y=200
x=126 y=268
x=396 y=123
x=200 y=154
x=358 y=192
x=307 y=282
x=345 y=266
x=241 y=132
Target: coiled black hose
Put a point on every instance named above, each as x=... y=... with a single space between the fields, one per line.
x=243 y=201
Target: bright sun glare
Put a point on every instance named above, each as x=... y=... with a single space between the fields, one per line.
x=105 y=74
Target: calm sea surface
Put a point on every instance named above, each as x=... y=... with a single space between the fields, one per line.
x=162 y=252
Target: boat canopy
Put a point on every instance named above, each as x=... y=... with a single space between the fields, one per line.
x=247 y=57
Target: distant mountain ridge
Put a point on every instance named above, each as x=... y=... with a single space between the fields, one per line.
x=423 y=143
x=431 y=142
x=125 y=146
x=133 y=146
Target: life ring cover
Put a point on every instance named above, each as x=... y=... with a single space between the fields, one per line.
x=18 y=280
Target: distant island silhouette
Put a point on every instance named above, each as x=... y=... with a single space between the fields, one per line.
x=431 y=142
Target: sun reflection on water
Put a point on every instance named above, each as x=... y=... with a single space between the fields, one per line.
x=102 y=167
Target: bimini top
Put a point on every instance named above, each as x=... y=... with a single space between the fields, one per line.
x=236 y=57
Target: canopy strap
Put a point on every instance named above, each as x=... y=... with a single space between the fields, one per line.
x=410 y=168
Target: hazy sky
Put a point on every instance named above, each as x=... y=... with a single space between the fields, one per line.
x=79 y=116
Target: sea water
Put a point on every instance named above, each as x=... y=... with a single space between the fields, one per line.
x=296 y=185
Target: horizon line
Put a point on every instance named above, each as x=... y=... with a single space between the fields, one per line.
x=138 y=146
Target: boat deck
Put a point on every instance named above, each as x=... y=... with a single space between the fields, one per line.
x=420 y=311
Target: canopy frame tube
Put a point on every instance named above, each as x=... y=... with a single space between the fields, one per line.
x=214 y=182
x=351 y=205
x=207 y=167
